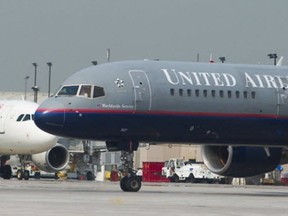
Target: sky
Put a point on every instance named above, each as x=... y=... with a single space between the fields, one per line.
x=72 y=33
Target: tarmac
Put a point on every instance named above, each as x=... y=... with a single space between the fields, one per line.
x=72 y=197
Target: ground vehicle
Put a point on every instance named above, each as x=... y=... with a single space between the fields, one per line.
x=177 y=170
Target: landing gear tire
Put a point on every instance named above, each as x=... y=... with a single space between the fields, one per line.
x=26 y=175
x=19 y=174
x=22 y=174
x=7 y=172
x=130 y=184
x=123 y=183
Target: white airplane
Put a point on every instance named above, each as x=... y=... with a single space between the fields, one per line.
x=20 y=136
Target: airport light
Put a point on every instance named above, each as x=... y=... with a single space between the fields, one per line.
x=222 y=59
x=273 y=56
x=49 y=79
x=35 y=87
x=26 y=79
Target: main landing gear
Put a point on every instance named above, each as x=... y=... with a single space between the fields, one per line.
x=129 y=182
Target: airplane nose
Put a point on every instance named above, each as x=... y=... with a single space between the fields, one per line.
x=50 y=116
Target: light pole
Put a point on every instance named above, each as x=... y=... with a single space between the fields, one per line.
x=273 y=56
x=49 y=79
x=26 y=79
x=35 y=87
x=108 y=55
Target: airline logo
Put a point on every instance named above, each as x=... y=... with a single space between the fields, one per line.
x=175 y=77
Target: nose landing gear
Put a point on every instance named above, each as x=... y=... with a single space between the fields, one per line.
x=129 y=182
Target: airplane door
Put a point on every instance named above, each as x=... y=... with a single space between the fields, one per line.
x=282 y=97
x=4 y=111
x=142 y=89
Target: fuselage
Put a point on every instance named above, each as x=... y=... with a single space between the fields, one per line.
x=18 y=132
x=176 y=102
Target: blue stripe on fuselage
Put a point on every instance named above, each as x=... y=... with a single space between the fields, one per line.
x=166 y=126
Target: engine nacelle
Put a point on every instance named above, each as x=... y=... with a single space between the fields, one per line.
x=53 y=160
x=241 y=161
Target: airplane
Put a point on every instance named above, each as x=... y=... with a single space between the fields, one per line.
x=20 y=136
x=238 y=113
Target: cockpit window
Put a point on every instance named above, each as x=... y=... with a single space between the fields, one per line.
x=88 y=91
x=85 y=91
x=68 y=90
x=98 y=92
x=27 y=117
x=20 y=117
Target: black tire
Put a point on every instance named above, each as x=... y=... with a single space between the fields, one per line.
x=191 y=178
x=175 y=178
x=134 y=184
x=26 y=175
x=7 y=172
x=123 y=183
x=19 y=174
x=37 y=175
x=131 y=184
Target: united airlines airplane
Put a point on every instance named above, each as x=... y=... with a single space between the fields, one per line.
x=238 y=113
x=20 y=136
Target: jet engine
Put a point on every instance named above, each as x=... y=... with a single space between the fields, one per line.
x=242 y=161
x=53 y=160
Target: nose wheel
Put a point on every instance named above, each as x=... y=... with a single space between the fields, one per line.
x=130 y=184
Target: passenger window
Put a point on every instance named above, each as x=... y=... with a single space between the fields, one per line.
x=229 y=94
x=197 y=92
x=181 y=92
x=172 y=92
x=189 y=92
x=237 y=94
x=205 y=93
x=98 y=92
x=213 y=93
x=221 y=93
x=85 y=91
x=27 y=117
x=245 y=94
x=68 y=90
x=253 y=94
x=20 y=118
